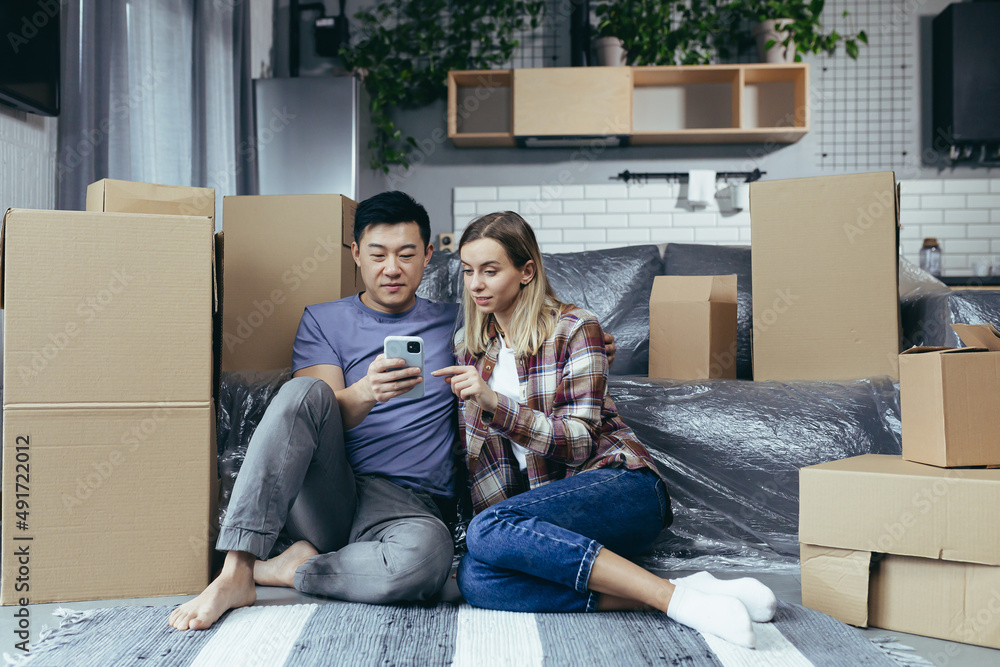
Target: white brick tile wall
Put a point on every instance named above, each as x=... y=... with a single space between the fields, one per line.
x=534 y=206
x=944 y=232
x=653 y=191
x=984 y=201
x=463 y=208
x=611 y=191
x=519 y=192
x=967 y=215
x=628 y=206
x=487 y=206
x=922 y=187
x=558 y=191
x=957 y=185
x=941 y=201
x=586 y=235
x=544 y=236
x=695 y=219
x=629 y=235
x=584 y=206
x=674 y=235
x=565 y=247
x=984 y=231
x=474 y=194
x=920 y=217
x=721 y=235
x=963 y=214
x=609 y=220
x=555 y=221
x=964 y=247
x=662 y=205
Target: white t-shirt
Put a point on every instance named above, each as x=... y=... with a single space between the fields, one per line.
x=505 y=381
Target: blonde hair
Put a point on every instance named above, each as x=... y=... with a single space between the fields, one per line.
x=537 y=307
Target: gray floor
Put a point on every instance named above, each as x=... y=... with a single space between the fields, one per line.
x=786 y=586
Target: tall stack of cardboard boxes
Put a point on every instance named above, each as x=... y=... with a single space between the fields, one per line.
x=905 y=542
x=911 y=542
x=109 y=455
x=108 y=423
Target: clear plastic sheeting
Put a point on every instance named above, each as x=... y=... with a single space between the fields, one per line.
x=612 y=284
x=243 y=398
x=685 y=259
x=927 y=316
x=731 y=451
x=442 y=278
x=914 y=281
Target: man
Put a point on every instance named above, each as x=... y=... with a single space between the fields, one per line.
x=357 y=478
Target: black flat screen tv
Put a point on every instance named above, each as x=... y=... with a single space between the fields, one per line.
x=29 y=55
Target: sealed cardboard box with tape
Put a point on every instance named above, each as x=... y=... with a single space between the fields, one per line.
x=692 y=327
x=950 y=400
x=282 y=253
x=825 y=277
x=108 y=442
x=902 y=546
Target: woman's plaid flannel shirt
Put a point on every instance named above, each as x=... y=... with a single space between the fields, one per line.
x=566 y=419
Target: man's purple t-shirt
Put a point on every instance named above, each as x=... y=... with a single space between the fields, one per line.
x=411 y=440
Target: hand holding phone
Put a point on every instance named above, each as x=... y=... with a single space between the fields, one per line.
x=411 y=350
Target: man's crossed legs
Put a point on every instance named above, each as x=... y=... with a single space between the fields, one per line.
x=362 y=539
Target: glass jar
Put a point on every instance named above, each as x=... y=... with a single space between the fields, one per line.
x=930 y=257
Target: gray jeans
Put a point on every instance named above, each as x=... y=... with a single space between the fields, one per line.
x=379 y=542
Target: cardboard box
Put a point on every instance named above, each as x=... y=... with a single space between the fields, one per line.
x=283 y=253
x=109 y=455
x=111 y=196
x=902 y=546
x=825 y=297
x=692 y=327
x=950 y=400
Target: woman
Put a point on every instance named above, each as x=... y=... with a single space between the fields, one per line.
x=561 y=487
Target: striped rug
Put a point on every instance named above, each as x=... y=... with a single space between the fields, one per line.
x=355 y=634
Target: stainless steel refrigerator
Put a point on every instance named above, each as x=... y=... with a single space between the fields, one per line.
x=308 y=135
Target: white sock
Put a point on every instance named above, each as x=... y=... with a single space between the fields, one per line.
x=722 y=616
x=755 y=596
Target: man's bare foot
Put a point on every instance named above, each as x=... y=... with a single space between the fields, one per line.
x=231 y=589
x=280 y=570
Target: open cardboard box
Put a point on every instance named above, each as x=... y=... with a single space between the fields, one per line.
x=692 y=327
x=902 y=546
x=950 y=400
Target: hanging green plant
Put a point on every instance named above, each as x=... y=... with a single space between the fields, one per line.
x=800 y=23
x=406 y=48
x=669 y=32
x=698 y=32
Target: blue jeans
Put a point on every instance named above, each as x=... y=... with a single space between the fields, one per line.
x=534 y=552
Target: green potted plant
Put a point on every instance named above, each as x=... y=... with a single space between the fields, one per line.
x=666 y=32
x=787 y=29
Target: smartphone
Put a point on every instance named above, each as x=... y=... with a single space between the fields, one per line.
x=411 y=350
